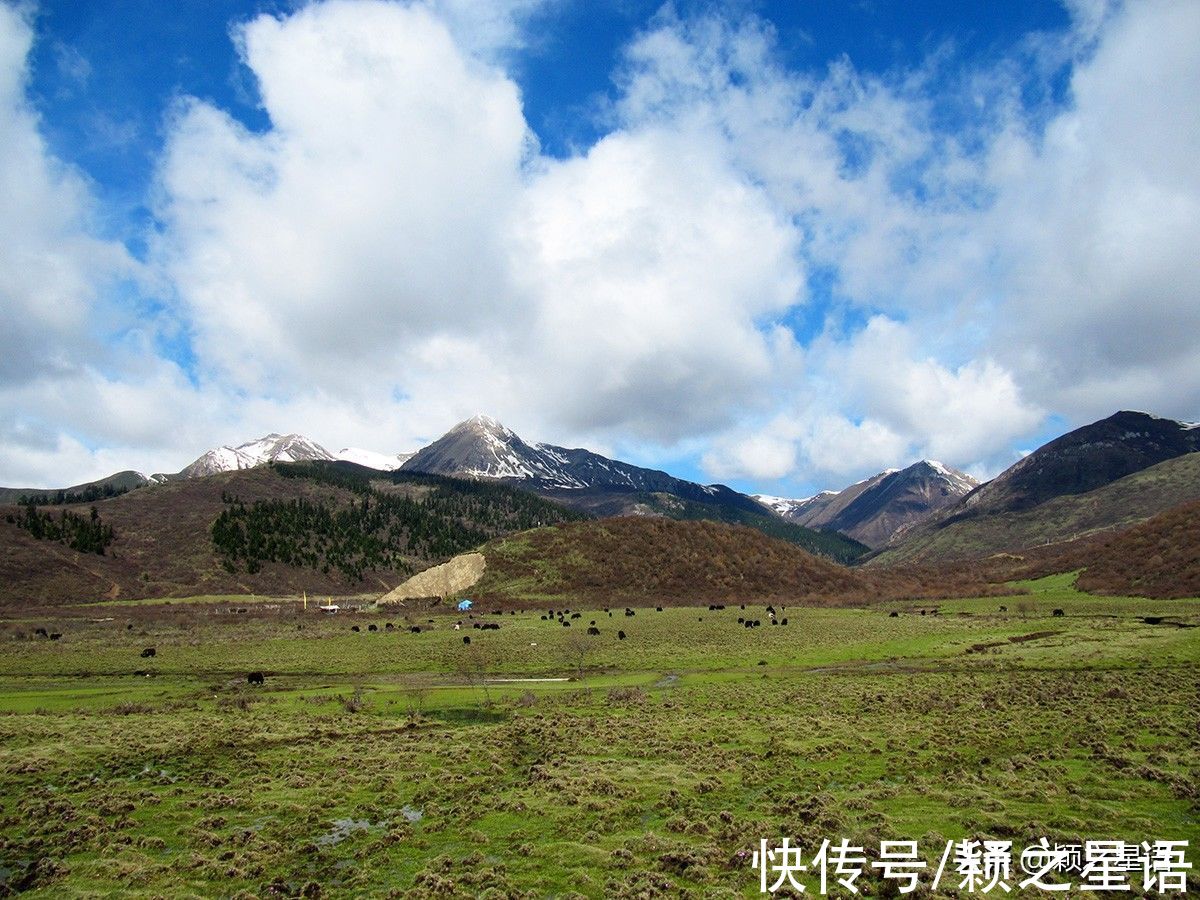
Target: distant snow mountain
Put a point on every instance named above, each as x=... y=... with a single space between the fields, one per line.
x=372 y=460
x=789 y=507
x=283 y=448
x=481 y=447
x=877 y=509
x=1109 y=473
x=272 y=448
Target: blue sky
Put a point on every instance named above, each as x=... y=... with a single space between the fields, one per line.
x=781 y=245
x=104 y=74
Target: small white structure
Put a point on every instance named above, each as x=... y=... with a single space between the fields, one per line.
x=329 y=608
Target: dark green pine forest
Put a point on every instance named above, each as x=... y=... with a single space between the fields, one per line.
x=378 y=529
x=87 y=534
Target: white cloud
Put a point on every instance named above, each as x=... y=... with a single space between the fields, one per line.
x=394 y=212
x=71 y=400
x=652 y=261
x=1100 y=220
x=876 y=405
x=393 y=253
x=51 y=270
x=941 y=412
x=370 y=216
x=490 y=29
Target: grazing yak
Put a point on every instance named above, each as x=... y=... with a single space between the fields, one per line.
x=1058 y=613
x=255 y=678
x=620 y=635
x=148 y=652
x=593 y=630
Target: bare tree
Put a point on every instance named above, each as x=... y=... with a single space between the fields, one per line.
x=577 y=648
x=473 y=663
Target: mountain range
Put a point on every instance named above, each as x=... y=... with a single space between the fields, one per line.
x=280 y=448
x=878 y=509
x=1101 y=478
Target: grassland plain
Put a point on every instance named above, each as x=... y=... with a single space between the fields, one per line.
x=399 y=763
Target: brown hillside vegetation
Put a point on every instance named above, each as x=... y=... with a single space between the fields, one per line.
x=163 y=547
x=1118 y=505
x=642 y=560
x=271 y=531
x=633 y=560
x=1158 y=558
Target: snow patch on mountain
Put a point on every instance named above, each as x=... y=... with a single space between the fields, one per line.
x=371 y=459
x=959 y=480
x=271 y=448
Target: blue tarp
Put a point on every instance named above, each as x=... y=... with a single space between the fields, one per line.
x=464 y=605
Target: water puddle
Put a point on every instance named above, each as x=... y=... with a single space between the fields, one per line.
x=342 y=829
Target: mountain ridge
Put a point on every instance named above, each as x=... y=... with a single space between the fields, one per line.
x=1049 y=494
x=481 y=447
x=875 y=510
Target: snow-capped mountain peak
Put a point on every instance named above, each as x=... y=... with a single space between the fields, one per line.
x=785 y=506
x=270 y=448
x=959 y=481
x=481 y=447
x=876 y=508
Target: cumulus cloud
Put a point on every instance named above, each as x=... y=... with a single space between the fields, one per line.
x=1099 y=219
x=878 y=404
x=1028 y=260
x=51 y=270
x=490 y=29
x=392 y=252
x=396 y=208
x=369 y=216
x=74 y=400
x=653 y=261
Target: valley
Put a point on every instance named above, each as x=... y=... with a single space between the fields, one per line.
x=228 y=694
x=538 y=759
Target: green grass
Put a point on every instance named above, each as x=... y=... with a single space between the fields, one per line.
x=377 y=763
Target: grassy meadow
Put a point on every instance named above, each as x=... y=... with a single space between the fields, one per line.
x=539 y=761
